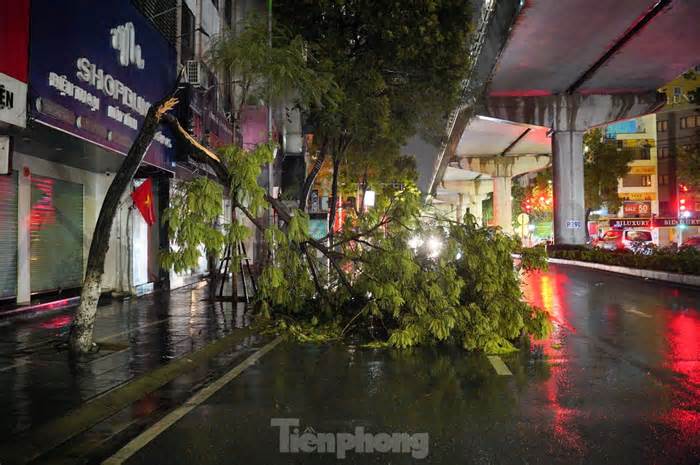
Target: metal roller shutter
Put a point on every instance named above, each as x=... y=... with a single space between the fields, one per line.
x=56 y=231
x=8 y=235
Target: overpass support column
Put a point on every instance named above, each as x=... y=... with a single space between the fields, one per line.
x=476 y=208
x=569 y=208
x=503 y=203
x=460 y=207
x=569 y=115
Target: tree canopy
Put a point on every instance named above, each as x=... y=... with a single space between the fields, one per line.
x=603 y=166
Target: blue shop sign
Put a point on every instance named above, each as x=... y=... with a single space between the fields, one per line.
x=95 y=69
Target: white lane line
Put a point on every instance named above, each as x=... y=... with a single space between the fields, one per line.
x=637 y=312
x=498 y=365
x=167 y=421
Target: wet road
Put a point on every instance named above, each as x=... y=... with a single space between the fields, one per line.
x=617 y=382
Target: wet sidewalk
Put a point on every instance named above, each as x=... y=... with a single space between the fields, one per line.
x=41 y=382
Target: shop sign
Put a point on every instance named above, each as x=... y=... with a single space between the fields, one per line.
x=637 y=195
x=653 y=222
x=644 y=169
x=629 y=223
x=112 y=66
x=14 y=47
x=636 y=209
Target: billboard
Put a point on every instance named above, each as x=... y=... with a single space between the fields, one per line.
x=95 y=69
x=14 y=46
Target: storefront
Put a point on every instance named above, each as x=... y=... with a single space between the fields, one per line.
x=14 y=36
x=95 y=68
x=665 y=231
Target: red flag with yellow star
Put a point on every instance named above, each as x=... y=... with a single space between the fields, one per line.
x=143 y=199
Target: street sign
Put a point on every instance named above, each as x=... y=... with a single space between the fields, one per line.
x=573 y=224
x=523 y=219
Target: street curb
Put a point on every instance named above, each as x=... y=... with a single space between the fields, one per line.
x=664 y=276
x=32 y=444
x=56 y=306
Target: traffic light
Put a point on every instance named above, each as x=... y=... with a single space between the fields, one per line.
x=683 y=201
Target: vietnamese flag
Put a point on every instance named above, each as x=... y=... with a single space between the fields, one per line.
x=143 y=199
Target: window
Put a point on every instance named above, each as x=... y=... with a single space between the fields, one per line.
x=228 y=12
x=638 y=235
x=636 y=180
x=663 y=180
x=677 y=94
x=663 y=152
x=688 y=122
x=187 y=40
x=662 y=126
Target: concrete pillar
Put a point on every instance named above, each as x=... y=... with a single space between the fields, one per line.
x=460 y=207
x=569 y=208
x=476 y=208
x=569 y=116
x=503 y=203
x=24 y=210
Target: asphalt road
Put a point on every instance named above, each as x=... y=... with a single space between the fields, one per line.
x=617 y=382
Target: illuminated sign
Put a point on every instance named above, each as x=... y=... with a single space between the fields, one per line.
x=637 y=195
x=14 y=44
x=644 y=169
x=636 y=209
x=653 y=222
x=113 y=64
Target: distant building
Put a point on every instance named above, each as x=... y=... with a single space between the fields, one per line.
x=677 y=126
x=638 y=190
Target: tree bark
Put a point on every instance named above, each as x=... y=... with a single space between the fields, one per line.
x=311 y=178
x=334 y=198
x=80 y=339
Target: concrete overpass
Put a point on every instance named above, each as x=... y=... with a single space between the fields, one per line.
x=544 y=72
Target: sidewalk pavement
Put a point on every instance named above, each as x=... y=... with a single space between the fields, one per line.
x=40 y=382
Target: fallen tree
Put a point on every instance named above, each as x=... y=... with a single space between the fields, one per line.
x=397 y=276
x=80 y=338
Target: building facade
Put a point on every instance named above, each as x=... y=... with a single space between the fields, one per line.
x=677 y=126
x=67 y=120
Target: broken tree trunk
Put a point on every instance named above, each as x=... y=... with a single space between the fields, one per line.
x=80 y=340
x=311 y=178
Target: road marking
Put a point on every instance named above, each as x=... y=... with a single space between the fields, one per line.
x=637 y=312
x=498 y=365
x=170 y=419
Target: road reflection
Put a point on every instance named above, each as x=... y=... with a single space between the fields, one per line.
x=650 y=326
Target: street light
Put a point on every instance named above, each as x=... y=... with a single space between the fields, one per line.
x=415 y=242
x=434 y=246
x=369 y=199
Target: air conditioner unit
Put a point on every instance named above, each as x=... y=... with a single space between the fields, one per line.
x=196 y=74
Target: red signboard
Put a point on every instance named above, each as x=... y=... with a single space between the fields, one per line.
x=637 y=209
x=14 y=39
x=14 y=53
x=652 y=223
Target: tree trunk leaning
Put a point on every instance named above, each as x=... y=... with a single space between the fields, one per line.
x=311 y=178
x=334 y=199
x=80 y=339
